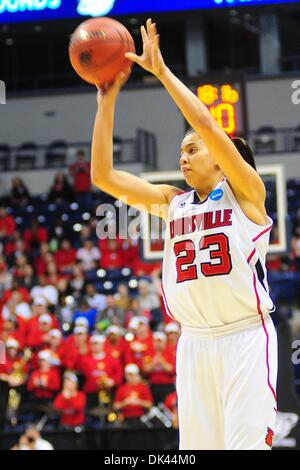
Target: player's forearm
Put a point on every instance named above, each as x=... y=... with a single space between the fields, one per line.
x=194 y=111
x=102 y=144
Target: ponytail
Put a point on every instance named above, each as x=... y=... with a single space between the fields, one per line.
x=244 y=150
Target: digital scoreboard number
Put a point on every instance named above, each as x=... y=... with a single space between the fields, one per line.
x=226 y=102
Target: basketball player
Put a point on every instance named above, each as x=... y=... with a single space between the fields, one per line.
x=214 y=275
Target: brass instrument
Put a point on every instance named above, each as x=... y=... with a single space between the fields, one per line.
x=14 y=396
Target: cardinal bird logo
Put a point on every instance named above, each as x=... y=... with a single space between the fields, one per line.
x=269 y=437
x=95 y=7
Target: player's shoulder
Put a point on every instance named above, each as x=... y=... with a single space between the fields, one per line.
x=181 y=197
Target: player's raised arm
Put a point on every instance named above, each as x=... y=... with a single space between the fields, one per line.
x=244 y=180
x=120 y=184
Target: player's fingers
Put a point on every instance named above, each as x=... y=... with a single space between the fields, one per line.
x=135 y=58
x=153 y=30
x=144 y=34
x=156 y=42
x=148 y=25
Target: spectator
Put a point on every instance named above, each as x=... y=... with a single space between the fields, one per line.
x=172 y=331
x=97 y=301
x=55 y=345
x=172 y=406
x=12 y=328
x=130 y=250
x=32 y=440
x=43 y=289
x=38 y=336
x=65 y=257
x=147 y=298
x=133 y=398
x=64 y=309
x=28 y=280
x=111 y=315
x=112 y=257
x=80 y=172
x=88 y=256
x=34 y=236
x=84 y=310
x=115 y=343
x=61 y=190
x=101 y=372
x=53 y=276
x=71 y=403
x=8 y=377
x=77 y=346
x=19 y=248
x=78 y=279
x=142 y=343
x=86 y=233
x=148 y=301
x=40 y=262
x=160 y=368
x=18 y=269
x=16 y=287
x=40 y=313
x=44 y=382
x=17 y=307
x=123 y=298
x=5 y=276
x=7 y=225
x=19 y=194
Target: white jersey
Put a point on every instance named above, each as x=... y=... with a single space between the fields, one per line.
x=214 y=275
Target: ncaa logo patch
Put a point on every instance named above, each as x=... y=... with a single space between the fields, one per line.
x=216 y=194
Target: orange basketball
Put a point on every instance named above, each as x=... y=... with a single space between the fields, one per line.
x=97 y=49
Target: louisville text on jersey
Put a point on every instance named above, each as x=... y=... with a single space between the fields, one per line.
x=198 y=222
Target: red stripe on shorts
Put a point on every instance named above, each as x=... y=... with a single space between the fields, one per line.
x=267 y=336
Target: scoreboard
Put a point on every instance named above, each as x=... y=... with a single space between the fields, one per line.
x=226 y=101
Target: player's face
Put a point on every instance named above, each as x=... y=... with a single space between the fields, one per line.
x=195 y=162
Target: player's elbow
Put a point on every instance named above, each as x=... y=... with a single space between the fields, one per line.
x=100 y=178
x=96 y=181
x=206 y=124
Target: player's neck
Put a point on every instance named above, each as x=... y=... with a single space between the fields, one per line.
x=209 y=186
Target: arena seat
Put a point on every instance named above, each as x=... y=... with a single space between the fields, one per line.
x=26 y=156
x=56 y=154
x=265 y=140
x=4 y=157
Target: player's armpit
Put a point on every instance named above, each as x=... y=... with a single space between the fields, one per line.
x=134 y=191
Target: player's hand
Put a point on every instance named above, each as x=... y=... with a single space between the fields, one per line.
x=151 y=59
x=110 y=92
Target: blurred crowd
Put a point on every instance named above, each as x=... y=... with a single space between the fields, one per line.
x=76 y=352
x=86 y=334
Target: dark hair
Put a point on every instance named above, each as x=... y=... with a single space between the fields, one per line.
x=245 y=151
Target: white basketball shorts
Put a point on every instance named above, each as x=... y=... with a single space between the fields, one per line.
x=226 y=388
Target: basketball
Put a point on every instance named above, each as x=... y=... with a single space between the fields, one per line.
x=97 y=49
